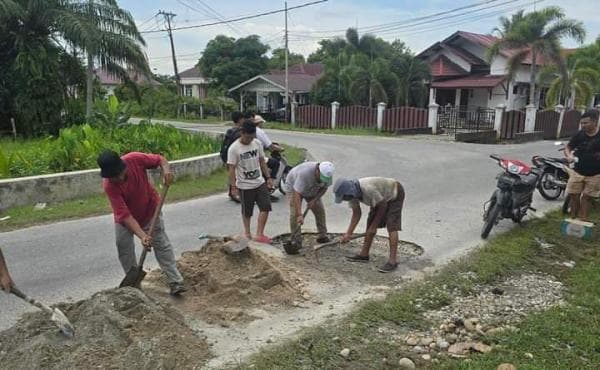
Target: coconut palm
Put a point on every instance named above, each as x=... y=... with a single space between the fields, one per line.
x=106 y=33
x=575 y=88
x=537 y=35
x=413 y=74
x=366 y=81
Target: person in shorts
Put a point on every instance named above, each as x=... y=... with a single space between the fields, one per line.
x=246 y=161
x=584 y=179
x=385 y=197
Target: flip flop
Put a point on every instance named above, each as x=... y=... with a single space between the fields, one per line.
x=357 y=258
x=388 y=267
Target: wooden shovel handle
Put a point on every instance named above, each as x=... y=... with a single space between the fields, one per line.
x=153 y=222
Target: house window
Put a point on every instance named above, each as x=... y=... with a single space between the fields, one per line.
x=188 y=90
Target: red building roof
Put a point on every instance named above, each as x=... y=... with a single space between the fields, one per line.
x=470 y=82
x=442 y=66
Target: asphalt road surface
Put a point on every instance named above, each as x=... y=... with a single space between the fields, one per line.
x=446 y=185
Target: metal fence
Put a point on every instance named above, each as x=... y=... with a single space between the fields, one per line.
x=452 y=120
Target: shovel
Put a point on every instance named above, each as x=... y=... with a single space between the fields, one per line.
x=293 y=245
x=233 y=244
x=317 y=247
x=136 y=274
x=57 y=316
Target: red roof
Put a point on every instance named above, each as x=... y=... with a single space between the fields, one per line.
x=296 y=82
x=442 y=66
x=311 y=69
x=470 y=82
x=106 y=78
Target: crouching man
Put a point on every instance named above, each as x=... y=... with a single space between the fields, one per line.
x=134 y=200
x=385 y=197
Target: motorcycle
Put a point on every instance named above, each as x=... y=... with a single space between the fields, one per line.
x=280 y=168
x=513 y=196
x=554 y=178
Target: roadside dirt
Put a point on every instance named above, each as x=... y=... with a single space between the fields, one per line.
x=115 y=329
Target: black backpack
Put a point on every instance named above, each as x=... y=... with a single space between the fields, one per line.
x=230 y=137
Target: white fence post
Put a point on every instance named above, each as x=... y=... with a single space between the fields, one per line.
x=432 y=117
x=334 y=108
x=500 y=108
x=530 y=118
x=380 y=110
x=561 y=110
x=293 y=112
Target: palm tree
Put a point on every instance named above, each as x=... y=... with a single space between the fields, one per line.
x=575 y=88
x=366 y=81
x=413 y=73
x=537 y=34
x=105 y=32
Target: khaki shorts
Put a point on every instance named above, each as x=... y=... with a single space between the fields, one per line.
x=259 y=196
x=393 y=215
x=586 y=185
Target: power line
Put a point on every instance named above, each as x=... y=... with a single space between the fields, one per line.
x=220 y=16
x=242 y=18
x=207 y=13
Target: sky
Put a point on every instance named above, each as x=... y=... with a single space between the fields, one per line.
x=329 y=19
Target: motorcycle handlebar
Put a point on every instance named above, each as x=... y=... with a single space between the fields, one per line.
x=493 y=156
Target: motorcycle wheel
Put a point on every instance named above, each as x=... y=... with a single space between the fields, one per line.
x=282 y=181
x=490 y=220
x=551 y=193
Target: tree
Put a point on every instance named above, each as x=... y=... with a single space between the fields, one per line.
x=230 y=62
x=366 y=81
x=277 y=60
x=575 y=88
x=537 y=34
x=413 y=74
x=327 y=49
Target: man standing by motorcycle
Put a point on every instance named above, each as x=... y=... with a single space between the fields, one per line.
x=584 y=179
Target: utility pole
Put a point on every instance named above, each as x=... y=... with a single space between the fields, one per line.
x=168 y=17
x=287 y=88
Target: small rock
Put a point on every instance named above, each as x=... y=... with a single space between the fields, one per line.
x=406 y=363
x=481 y=348
x=471 y=324
x=432 y=345
x=345 y=352
x=497 y=291
x=506 y=367
x=39 y=206
x=336 y=339
x=306 y=296
x=331 y=307
x=412 y=341
x=529 y=355
x=443 y=345
x=269 y=340
x=426 y=341
x=426 y=357
x=418 y=349
x=569 y=264
x=452 y=338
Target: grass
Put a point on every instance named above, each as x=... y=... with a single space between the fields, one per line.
x=562 y=337
x=337 y=131
x=182 y=189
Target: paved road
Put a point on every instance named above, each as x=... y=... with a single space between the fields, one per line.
x=446 y=185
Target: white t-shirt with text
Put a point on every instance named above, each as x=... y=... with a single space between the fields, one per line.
x=246 y=159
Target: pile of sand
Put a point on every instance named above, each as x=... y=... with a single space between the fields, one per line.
x=120 y=328
x=224 y=287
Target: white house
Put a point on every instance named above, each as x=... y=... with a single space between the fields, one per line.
x=462 y=77
x=110 y=82
x=193 y=83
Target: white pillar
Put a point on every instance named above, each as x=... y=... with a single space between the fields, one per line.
x=561 y=110
x=432 y=93
x=293 y=113
x=457 y=98
x=241 y=101
x=334 y=108
x=380 y=110
x=432 y=117
x=201 y=111
x=530 y=118
x=500 y=108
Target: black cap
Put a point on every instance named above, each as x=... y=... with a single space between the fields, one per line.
x=111 y=165
x=249 y=127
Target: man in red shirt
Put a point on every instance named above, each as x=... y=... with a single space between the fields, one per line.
x=133 y=200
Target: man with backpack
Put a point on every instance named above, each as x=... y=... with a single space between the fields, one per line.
x=231 y=136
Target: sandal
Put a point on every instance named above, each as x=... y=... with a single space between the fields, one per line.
x=357 y=258
x=388 y=267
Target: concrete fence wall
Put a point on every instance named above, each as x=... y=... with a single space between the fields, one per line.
x=77 y=184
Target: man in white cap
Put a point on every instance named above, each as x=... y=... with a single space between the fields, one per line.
x=385 y=197
x=309 y=181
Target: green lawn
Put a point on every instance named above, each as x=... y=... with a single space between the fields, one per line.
x=182 y=189
x=560 y=338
